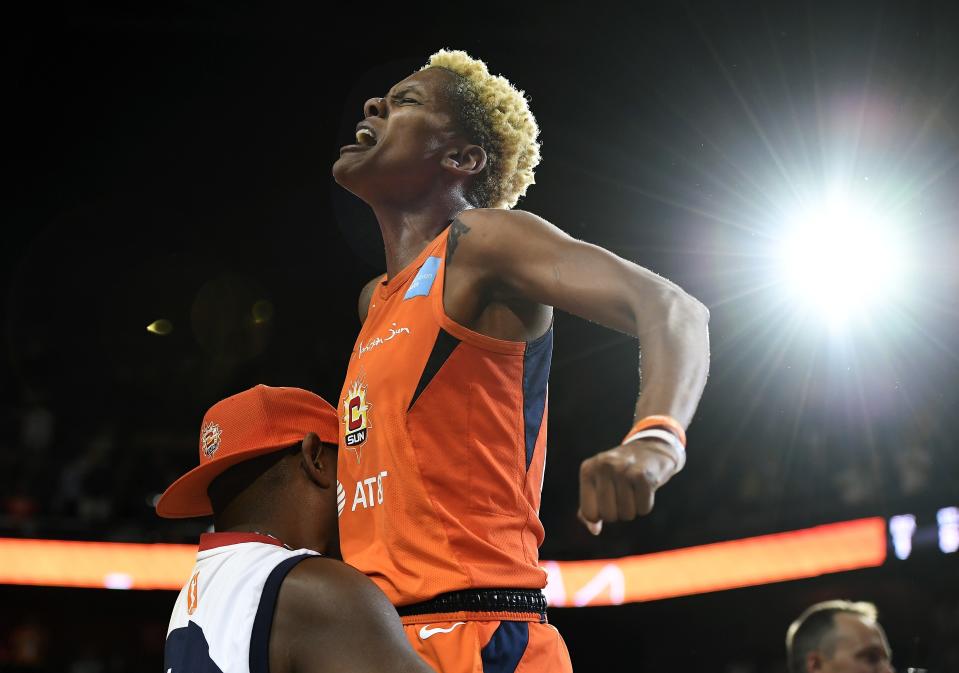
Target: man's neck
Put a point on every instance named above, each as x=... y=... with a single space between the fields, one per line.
x=263 y=528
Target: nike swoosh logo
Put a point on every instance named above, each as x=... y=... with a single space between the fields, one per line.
x=426 y=631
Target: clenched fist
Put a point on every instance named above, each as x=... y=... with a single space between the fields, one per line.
x=620 y=484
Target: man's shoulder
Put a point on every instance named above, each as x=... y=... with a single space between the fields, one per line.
x=318 y=587
x=330 y=617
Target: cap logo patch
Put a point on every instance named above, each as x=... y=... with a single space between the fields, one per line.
x=210 y=439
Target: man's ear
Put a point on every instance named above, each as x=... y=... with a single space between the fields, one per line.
x=468 y=160
x=814 y=662
x=318 y=460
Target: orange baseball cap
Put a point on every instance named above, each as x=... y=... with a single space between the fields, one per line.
x=249 y=424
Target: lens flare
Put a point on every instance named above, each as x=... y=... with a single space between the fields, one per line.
x=161 y=327
x=841 y=260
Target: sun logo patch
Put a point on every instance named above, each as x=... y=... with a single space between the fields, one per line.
x=356 y=418
x=210 y=439
x=192 y=594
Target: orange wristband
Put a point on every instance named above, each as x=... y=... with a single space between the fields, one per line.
x=666 y=422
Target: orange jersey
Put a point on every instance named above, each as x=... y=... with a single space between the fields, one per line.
x=442 y=446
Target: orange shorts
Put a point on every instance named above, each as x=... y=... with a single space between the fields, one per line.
x=477 y=646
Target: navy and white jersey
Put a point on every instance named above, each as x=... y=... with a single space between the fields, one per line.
x=222 y=618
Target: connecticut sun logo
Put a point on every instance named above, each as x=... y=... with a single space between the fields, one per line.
x=210 y=439
x=356 y=418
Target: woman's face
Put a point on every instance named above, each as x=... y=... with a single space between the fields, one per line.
x=401 y=141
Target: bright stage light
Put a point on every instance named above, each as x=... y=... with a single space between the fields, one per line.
x=842 y=259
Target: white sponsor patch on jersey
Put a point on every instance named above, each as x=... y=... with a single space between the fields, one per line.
x=364 y=496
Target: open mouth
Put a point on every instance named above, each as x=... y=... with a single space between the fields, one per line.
x=365 y=137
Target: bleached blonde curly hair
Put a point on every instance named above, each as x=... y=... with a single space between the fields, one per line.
x=495 y=115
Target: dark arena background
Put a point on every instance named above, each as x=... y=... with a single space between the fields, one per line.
x=173 y=235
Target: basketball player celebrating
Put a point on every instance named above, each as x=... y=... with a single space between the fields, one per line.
x=261 y=597
x=444 y=406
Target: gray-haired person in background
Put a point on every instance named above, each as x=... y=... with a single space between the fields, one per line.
x=838 y=637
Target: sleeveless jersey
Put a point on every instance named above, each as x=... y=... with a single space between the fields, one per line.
x=442 y=446
x=221 y=620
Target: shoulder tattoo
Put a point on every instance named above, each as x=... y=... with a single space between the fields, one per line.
x=457 y=230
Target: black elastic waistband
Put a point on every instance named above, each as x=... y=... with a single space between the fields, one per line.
x=480 y=600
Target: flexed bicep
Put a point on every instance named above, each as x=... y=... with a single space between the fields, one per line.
x=524 y=256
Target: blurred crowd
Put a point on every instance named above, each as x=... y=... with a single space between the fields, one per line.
x=98 y=484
